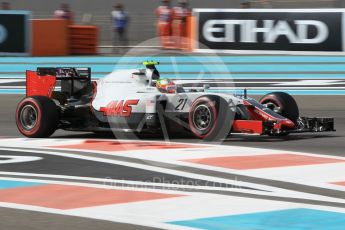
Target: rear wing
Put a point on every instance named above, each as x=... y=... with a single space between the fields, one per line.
x=45 y=80
x=65 y=73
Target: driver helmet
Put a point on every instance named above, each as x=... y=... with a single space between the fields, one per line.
x=166 y=86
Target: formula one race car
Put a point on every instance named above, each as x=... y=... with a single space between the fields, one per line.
x=140 y=100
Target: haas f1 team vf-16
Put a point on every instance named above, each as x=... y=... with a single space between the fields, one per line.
x=141 y=101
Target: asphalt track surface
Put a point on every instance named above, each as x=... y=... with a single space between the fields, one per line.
x=24 y=220
x=322 y=143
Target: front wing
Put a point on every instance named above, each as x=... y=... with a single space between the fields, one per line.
x=304 y=124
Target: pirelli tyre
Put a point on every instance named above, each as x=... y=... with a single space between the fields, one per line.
x=283 y=104
x=37 y=117
x=210 y=118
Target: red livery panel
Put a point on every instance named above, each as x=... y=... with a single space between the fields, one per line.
x=247 y=126
x=119 y=108
x=39 y=85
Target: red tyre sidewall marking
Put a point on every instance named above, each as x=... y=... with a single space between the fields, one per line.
x=32 y=102
x=191 y=125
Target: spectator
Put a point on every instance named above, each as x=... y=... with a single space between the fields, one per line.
x=5 y=6
x=64 y=13
x=179 y=25
x=120 y=20
x=245 y=4
x=164 y=14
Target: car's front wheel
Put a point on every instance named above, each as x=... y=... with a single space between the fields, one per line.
x=37 y=117
x=283 y=104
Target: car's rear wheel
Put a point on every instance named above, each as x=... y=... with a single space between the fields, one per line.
x=37 y=117
x=210 y=118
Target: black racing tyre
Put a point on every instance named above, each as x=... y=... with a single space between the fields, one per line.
x=282 y=103
x=210 y=118
x=37 y=117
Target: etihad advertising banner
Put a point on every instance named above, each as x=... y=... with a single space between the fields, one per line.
x=269 y=30
x=14 y=33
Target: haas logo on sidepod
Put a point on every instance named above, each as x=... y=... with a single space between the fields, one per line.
x=119 y=108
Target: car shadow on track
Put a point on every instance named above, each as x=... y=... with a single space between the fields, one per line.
x=235 y=138
x=292 y=137
x=110 y=135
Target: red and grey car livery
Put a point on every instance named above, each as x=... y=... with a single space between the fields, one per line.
x=139 y=101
